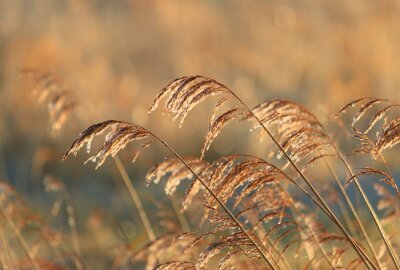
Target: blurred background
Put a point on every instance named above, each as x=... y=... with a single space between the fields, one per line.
x=113 y=57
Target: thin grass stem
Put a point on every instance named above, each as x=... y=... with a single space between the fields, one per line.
x=135 y=198
x=226 y=210
x=372 y=212
x=354 y=212
x=362 y=255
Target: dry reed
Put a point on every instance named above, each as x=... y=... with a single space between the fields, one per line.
x=244 y=197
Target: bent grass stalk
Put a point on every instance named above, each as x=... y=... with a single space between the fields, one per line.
x=372 y=212
x=317 y=203
x=362 y=255
x=122 y=133
x=135 y=198
x=185 y=93
x=369 y=206
x=189 y=100
x=354 y=212
x=226 y=210
x=327 y=213
x=346 y=217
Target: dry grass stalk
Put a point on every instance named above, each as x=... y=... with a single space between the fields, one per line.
x=47 y=88
x=229 y=174
x=120 y=134
x=387 y=178
x=386 y=138
x=178 y=104
x=388 y=134
x=183 y=94
x=217 y=125
x=135 y=197
x=248 y=183
x=175 y=172
x=298 y=131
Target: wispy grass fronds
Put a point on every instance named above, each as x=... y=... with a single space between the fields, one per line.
x=49 y=89
x=120 y=134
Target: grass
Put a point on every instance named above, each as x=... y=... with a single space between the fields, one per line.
x=252 y=212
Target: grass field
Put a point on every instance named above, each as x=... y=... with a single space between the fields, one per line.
x=199 y=135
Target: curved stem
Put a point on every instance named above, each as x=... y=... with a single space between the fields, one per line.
x=354 y=212
x=135 y=198
x=291 y=180
x=328 y=214
x=362 y=255
x=366 y=200
x=371 y=211
x=226 y=210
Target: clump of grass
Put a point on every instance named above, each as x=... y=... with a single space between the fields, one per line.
x=252 y=210
x=248 y=201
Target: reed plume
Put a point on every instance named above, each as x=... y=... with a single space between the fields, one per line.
x=386 y=177
x=310 y=139
x=255 y=180
x=120 y=134
x=246 y=200
x=48 y=88
x=387 y=134
x=385 y=138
